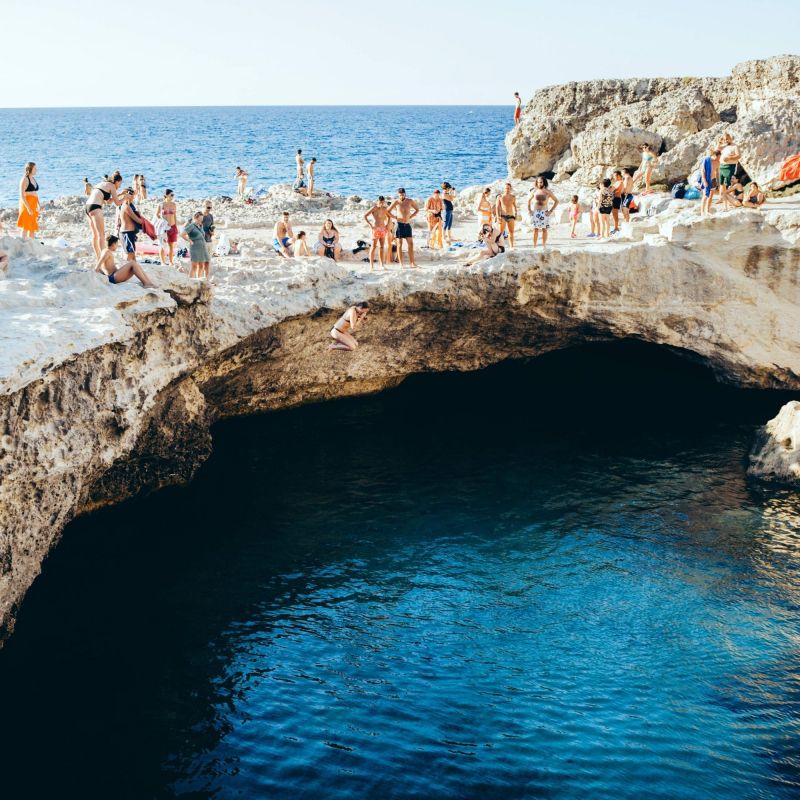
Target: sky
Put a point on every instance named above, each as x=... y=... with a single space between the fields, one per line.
x=316 y=52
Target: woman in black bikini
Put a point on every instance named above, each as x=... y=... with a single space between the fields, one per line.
x=328 y=244
x=348 y=322
x=104 y=192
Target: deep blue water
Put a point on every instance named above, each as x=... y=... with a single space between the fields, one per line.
x=359 y=149
x=543 y=580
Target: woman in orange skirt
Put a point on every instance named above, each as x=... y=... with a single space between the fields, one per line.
x=28 y=219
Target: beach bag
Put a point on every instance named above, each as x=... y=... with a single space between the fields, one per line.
x=223 y=246
x=692 y=194
x=679 y=191
x=633 y=207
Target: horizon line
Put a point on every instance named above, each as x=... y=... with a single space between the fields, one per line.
x=268 y=105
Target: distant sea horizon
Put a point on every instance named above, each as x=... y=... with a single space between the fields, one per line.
x=363 y=150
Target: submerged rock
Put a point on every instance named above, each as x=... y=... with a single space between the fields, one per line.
x=776 y=455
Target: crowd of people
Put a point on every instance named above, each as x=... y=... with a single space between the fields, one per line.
x=719 y=178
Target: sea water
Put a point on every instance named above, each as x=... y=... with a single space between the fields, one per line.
x=549 y=579
x=362 y=150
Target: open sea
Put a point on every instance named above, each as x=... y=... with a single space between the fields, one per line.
x=361 y=150
x=549 y=579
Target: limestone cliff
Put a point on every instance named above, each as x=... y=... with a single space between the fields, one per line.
x=581 y=130
x=105 y=391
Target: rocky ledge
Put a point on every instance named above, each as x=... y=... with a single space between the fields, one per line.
x=581 y=130
x=106 y=391
x=776 y=455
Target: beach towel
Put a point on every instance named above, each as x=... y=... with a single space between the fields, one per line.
x=790 y=171
x=148 y=228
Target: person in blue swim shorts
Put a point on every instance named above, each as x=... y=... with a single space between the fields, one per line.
x=283 y=236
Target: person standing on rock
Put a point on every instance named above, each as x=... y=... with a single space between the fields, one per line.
x=28 y=218
x=605 y=205
x=506 y=212
x=380 y=226
x=130 y=223
x=342 y=331
x=406 y=211
x=168 y=211
x=627 y=194
x=104 y=192
x=433 y=211
x=310 y=173
x=448 y=200
x=709 y=179
x=484 y=207
x=729 y=160
x=517 y=108
x=241 y=182
x=538 y=212
x=198 y=250
x=645 y=171
x=618 y=189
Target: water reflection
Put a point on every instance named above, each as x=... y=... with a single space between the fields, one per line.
x=492 y=594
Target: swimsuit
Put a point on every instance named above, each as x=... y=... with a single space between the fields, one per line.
x=606 y=201
x=574 y=213
x=298 y=184
x=29 y=221
x=129 y=240
x=507 y=217
x=448 y=214
x=111 y=278
x=277 y=244
x=404 y=230
x=327 y=243
x=627 y=200
x=539 y=220
x=379 y=232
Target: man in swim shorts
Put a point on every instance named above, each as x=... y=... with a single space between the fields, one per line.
x=506 y=212
x=282 y=236
x=517 y=108
x=379 y=225
x=406 y=211
x=709 y=179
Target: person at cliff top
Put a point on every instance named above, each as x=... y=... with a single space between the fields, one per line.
x=342 y=331
x=645 y=171
x=484 y=208
x=627 y=194
x=617 y=189
x=538 y=212
x=448 y=200
x=104 y=192
x=379 y=224
x=729 y=159
x=167 y=228
x=506 y=212
x=754 y=197
x=241 y=182
x=605 y=205
x=328 y=243
x=406 y=211
x=434 y=207
x=300 y=245
x=517 y=108
x=709 y=180
x=106 y=266
x=299 y=184
x=491 y=235
x=198 y=249
x=28 y=219
x=312 y=165
x=130 y=223
x=574 y=215
x=282 y=236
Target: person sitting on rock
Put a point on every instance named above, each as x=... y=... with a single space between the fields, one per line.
x=282 y=236
x=754 y=197
x=731 y=196
x=491 y=235
x=301 y=246
x=106 y=266
x=346 y=324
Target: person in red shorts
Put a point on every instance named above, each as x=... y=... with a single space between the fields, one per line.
x=168 y=211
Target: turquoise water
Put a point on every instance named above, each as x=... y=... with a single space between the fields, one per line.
x=543 y=580
x=360 y=149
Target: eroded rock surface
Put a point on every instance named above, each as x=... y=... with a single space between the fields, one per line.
x=776 y=455
x=107 y=391
x=599 y=124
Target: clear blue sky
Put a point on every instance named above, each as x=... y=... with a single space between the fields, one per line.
x=245 y=52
